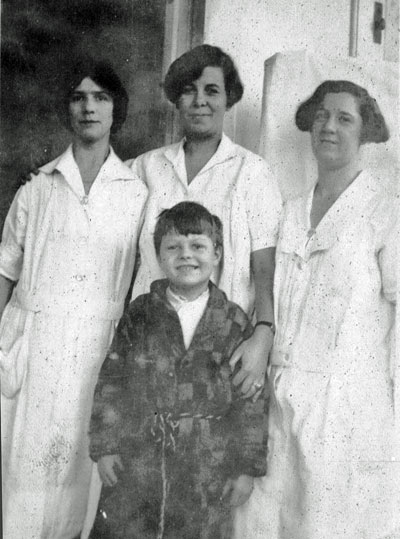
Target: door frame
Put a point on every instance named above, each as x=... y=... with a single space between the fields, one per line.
x=184 y=29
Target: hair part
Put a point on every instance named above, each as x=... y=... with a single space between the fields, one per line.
x=103 y=74
x=188 y=218
x=189 y=67
x=374 y=128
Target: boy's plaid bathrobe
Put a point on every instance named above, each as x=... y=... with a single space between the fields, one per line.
x=175 y=420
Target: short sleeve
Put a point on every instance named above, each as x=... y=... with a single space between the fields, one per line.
x=13 y=238
x=263 y=205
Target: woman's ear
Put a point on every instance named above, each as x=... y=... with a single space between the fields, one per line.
x=218 y=254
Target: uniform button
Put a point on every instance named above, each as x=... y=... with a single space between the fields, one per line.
x=170 y=374
x=84 y=199
x=79 y=278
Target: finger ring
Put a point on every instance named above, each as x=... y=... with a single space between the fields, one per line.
x=257 y=385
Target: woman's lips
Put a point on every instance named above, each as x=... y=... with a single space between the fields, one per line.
x=187 y=266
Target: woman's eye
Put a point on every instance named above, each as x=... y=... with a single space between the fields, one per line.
x=198 y=246
x=171 y=247
x=320 y=115
x=103 y=97
x=344 y=119
x=187 y=89
x=76 y=98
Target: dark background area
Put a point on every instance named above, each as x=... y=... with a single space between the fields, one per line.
x=39 y=39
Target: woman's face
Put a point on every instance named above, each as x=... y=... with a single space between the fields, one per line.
x=202 y=105
x=335 y=134
x=91 y=111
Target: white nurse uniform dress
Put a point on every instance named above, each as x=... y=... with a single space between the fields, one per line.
x=72 y=256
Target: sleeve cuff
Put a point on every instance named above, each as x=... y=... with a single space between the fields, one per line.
x=10 y=263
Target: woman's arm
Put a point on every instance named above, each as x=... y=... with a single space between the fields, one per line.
x=6 y=286
x=255 y=351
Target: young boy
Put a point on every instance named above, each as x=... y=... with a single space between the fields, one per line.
x=176 y=445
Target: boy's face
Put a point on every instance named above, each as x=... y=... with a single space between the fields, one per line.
x=188 y=262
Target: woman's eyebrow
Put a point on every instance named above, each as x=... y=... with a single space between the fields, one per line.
x=339 y=111
x=96 y=92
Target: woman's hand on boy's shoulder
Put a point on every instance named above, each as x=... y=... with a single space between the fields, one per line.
x=237 y=491
x=27 y=175
x=107 y=466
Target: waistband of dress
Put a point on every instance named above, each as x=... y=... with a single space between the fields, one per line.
x=332 y=363
x=61 y=305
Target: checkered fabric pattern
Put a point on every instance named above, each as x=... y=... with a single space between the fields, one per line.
x=218 y=434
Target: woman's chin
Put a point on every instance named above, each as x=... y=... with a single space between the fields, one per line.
x=201 y=133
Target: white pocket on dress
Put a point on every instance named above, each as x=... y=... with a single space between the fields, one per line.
x=15 y=328
x=13 y=368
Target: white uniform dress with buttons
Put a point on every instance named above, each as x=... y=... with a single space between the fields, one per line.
x=333 y=466
x=236 y=185
x=72 y=255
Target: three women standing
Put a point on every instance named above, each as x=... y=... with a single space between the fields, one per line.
x=69 y=243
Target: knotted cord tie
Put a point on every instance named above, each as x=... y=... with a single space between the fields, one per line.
x=165 y=428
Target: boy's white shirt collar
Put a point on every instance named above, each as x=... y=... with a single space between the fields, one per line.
x=189 y=312
x=177 y=301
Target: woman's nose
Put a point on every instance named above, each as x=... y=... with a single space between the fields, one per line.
x=199 y=98
x=89 y=104
x=330 y=123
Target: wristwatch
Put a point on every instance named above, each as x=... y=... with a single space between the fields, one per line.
x=271 y=325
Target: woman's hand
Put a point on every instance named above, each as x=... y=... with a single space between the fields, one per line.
x=254 y=354
x=238 y=490
x=106 y=466
x=27 y=175
x=255 y=351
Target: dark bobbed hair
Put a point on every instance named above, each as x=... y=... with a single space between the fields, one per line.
x=374 y=128
x=188 y=218
x=102 y=73
x=189 y=67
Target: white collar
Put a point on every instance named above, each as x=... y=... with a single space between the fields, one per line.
x=348 y=208
x=178 y=301
x=112 y=169
x=226 y=150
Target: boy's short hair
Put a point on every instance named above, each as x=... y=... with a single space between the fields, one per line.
x=188 y=218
